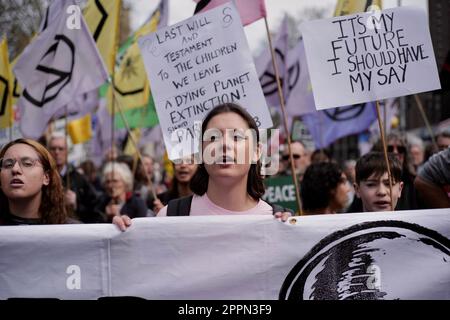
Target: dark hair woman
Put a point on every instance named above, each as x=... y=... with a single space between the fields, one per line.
x=324 y=189
x=228 y=181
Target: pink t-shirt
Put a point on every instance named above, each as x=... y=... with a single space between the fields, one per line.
x=202 y=206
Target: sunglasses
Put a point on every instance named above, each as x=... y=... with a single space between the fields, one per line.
x=295 y=156
x=400 y=149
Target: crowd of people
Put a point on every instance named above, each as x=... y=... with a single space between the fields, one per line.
x=39 y=186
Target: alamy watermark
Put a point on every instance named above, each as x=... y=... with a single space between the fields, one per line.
x=229 y=146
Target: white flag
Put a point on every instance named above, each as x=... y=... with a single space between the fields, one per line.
x=80 y=106
x=300 y=99
x=293 y=73
x=264 y=66
x=62 y=63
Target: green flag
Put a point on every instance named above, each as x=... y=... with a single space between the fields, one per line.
x=143 y=117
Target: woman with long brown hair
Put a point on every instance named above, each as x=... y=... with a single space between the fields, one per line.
x=228 y=181
x=31 y=191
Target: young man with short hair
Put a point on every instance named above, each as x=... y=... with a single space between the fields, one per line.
x=372 y=182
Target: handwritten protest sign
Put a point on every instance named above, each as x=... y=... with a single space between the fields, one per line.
x=370 y=56
x=195 y=65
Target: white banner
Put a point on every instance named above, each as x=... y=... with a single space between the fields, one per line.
x=370 y=56
x=195 y=65
x=392 y=255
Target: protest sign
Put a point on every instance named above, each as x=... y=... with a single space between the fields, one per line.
x=281 y=191
x=195 y=65
x=370 y=56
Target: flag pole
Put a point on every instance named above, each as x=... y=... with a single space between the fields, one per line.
x=113 y=89
x=383 y=142
x=67 y=147
x=425 y=119
x=385 y=118
x=283 y=110
x=11 y=123
x=130 y=136
x=322 y=152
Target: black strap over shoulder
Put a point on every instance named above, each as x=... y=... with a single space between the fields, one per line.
x=180 y=206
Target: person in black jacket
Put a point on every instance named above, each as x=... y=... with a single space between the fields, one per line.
x=80 y=195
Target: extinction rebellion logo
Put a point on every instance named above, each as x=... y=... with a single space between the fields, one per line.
x=373 y=261
x=57 y=78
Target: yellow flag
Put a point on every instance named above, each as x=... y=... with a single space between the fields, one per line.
x=168 y=165
x=129 y=147
x=132 y=88
x=344 y=7
x=102 y=18
x=5 y=87
x=80 y=130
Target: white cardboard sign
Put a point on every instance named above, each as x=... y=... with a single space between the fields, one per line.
x=370 y=56
x=195 y=65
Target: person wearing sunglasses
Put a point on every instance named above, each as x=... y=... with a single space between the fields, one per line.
x=31 y=190
x=301 y=158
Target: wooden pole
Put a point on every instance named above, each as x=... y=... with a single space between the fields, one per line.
x=130 y=136
x=385 y=118
x=425 y=119
x=283 y=110
x=113 y=90
x=11 y=124
x=322 y=152
x=67 y=147
x=113 y=116
x=383 y=142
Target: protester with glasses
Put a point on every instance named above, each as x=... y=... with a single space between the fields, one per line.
x=300 y=156
x=31 y=190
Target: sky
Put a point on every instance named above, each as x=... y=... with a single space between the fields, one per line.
x=256 y=32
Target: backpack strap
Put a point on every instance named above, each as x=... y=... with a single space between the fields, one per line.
x=180 y=206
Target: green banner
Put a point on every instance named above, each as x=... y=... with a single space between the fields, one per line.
x=281 y=191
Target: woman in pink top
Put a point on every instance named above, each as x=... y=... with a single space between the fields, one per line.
x=228 y=181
